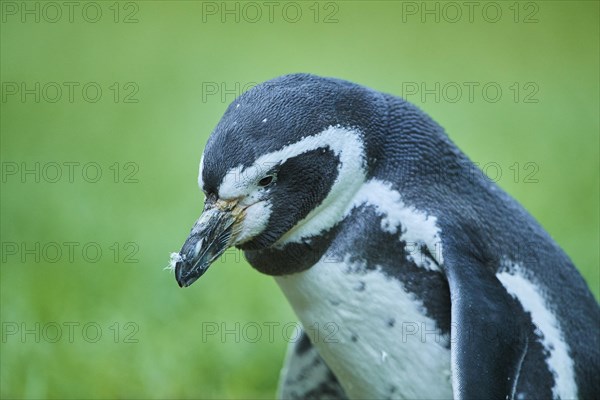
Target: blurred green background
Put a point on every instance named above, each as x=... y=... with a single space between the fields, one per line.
x=86 y=325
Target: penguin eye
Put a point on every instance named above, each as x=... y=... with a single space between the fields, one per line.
x=266 y=181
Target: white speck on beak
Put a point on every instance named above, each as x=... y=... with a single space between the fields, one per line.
x=175 y=258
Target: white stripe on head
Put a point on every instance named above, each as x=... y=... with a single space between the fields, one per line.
x=345 y=143
x=255 y=221
x=531 y=298
x=348 y=191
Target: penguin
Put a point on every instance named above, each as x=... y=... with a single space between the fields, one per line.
x=413 y=275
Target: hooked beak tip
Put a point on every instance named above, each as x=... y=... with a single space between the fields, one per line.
x=185 y=274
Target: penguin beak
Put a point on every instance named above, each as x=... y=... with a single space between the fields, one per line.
x=215 y=231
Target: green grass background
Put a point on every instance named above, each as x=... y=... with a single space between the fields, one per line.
x=170 y=54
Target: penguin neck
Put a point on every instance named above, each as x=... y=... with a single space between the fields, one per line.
x=292 y=257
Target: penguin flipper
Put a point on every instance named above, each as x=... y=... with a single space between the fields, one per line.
x=488 y=343
x=306 y=376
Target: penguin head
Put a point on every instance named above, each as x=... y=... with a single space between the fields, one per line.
x=281 y=166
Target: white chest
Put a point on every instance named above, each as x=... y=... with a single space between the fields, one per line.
x=373 y=334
